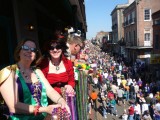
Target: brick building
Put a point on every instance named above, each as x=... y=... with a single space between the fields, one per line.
x=138 y=32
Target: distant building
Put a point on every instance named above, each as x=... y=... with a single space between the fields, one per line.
x=117 y=27
x=99 y=37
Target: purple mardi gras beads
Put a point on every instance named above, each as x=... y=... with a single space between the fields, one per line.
x=60 y=114
x=54 y=114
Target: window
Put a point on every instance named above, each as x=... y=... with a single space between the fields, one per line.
x=147 y=14
x=125 y=20
x=129 y=17
x=147 y=36
x=129 y=36
x=134 y=35
x=130 y=20
x=156 y=44
x=133 y=16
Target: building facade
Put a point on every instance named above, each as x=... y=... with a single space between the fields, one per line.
x=138 y=32
x=117 y=27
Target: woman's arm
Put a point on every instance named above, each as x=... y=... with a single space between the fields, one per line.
x=51 y=92
x=71 y=81
x=9 y=91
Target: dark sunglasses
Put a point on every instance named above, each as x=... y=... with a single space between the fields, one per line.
x=80 y=46
x=55 y=47
x=26 y=48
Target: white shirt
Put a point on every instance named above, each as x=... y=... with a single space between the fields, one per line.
x=104 y=87
x=95 y=80
x=124 y=117
x=137 y=109
x=157 y=107
x=136 y=88
x=129 y=81
x=118 y=81
x=114 y=88
x=105 y=75
x=144 y=107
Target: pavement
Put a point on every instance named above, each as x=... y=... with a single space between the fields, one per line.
x=97 y=115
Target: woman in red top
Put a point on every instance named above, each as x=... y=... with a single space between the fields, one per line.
x=56 y=67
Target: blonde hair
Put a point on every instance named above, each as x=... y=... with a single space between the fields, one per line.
x=75 y=39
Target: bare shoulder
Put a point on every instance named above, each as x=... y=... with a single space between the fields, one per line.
x=6 y=72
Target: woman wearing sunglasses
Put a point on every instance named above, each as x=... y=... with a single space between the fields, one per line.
x=56 y=67
x=25 y=89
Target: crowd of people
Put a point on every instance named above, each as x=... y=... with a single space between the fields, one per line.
x=116 y=84
x=32 y=87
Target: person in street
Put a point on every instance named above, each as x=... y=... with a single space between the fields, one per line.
x=137 y=111
x=140 y=83
x=146 y=89
x=132 y=91
x=125 y=116
x=126 y=92
x=112 y=105
x=146 y=116
x=123 y=80
x=94 y=97
x=157 y=111
x=27 y=86
x=104 y=103
x=120 y=94
x=131 y=112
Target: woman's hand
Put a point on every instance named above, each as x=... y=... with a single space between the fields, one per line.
x=68 y=109
x=63 y=105
x=51 y=107
x=69 y=89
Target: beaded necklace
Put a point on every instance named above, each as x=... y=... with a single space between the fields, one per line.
x=35 y=87
x=56 y=65
x=60 y=114
x=27 y=78
x=36 y=92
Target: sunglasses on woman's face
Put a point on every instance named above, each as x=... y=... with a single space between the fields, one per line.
x=80 y=46
x=26 y=48
x=55 y=47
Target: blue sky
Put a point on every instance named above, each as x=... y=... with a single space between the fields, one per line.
x=98 y=15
